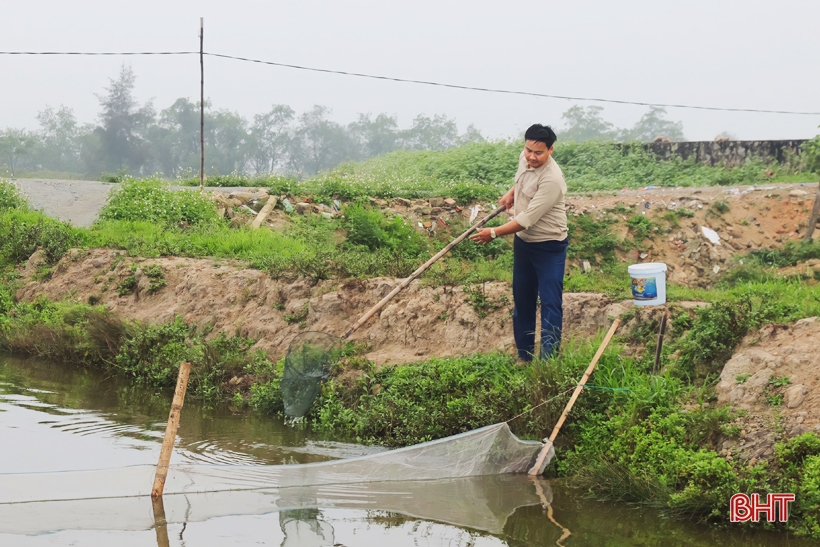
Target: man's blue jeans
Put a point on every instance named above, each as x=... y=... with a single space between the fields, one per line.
x=538 y=270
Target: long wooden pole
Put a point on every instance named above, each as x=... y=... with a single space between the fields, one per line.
x=421 y=269
x=815 y=213
x=171 y=430
x=578 y=389
x=201 y=104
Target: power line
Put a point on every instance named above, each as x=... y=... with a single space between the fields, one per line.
x=429 y=83
x=99 y=53
x=511 y=92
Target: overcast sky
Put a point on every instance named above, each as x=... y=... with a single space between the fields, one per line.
x=740 y=54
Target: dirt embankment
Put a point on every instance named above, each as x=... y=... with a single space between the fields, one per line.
x=743 y=218
x=774 y=376
x=419 y=323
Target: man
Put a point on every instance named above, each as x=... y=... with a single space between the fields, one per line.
x=540 y=247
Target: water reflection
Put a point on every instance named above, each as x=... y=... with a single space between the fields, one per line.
x=52 y=400
x=52 y=418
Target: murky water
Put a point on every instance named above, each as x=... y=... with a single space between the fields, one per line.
x=53 y=419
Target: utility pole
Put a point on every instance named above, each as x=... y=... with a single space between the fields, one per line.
x=201 y=105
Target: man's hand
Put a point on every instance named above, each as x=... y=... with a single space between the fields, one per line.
x=482 y=237
x=507 y=199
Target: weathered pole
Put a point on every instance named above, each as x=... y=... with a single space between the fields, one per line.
x=201 y=104
x=815 y=213
x=171 y=430
x=537 y=468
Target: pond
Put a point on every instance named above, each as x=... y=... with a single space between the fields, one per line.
x=78 y=431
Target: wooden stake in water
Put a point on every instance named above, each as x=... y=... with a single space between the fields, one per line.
x=171 y=430
x=534 y=470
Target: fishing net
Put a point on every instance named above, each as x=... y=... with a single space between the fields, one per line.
x=37 y=502
x=307 y=364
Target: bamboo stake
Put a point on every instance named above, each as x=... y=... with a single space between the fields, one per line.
x=421 y=269
x=263 y=214
x=660 y=343
x=580 y=387
x=171 y=430
x=815 y=213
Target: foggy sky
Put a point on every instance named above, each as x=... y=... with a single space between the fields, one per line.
x=742 y=54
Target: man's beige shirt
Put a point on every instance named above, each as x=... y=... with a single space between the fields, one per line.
x=539 y=201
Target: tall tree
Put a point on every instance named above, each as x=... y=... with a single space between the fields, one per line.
x=319 y=143
x=16 y=146
x=58 y=146
x=123 y=125
x=436 y=133
x=269 y=138
x=471 y=134
x=586 y=124
x=226 y=142
x=653 y=125
x=175 y=138
x=375 y=136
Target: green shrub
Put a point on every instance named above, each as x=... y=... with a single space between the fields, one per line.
x=590 y=239
x=720 y=206
x=789 y=254
x=152 y=200
x=23 y=231
x=642 y=227
x=10 y=197
x=423 y=401
x=154 y=353
x=277 y=184
x=370 y=228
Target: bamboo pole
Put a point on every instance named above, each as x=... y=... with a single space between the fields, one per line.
x=421 y=269
x=580 y=387
x=263 y=214
x=815 y=213
x=171 y=430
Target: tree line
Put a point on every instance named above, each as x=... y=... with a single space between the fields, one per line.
x=136 y=139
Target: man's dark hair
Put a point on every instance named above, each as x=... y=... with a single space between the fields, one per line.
x=541 y=133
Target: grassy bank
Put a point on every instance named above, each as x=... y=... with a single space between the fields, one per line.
x=635 y=436
x=484 y=171
x=632 y=436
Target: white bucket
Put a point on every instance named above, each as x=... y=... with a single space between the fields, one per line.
x=648 y=283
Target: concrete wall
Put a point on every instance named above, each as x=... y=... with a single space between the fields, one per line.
x=730 y=153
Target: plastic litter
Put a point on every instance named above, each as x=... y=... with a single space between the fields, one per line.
x=711 y=235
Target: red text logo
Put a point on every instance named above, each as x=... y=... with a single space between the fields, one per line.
x=743 y=508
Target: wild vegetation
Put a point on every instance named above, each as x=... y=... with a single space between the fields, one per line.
x=636 y=436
